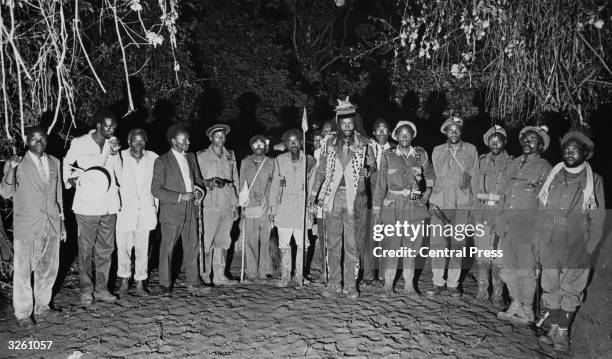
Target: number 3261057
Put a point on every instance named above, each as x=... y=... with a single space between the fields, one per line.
x=29 y=344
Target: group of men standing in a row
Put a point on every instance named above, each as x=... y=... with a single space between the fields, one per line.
x=540 y=217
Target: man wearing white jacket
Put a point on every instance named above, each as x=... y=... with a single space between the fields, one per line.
x=138 y=213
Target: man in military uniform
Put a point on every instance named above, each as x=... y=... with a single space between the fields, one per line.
x=455 y=165
x=340 y=185
x=568 y=229
x=256 y=173
x=398 y=197
x=220 y=204
x=379 y=145
x=492 y=183
x=515 y=224
x=287 y=204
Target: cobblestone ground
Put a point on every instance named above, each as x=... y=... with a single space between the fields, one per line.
x=264 y=321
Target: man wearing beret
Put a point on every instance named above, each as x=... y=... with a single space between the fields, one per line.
x=455 y=165
x=492 y=183
x=287 y=204
x=568 y=229
x=341 y=187
x=379 y=145
x=516 y=222
x=256 y=173
x=399 y=196
x=174 y=175
x=220 y=204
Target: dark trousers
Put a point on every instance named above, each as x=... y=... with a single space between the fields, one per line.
x=370 y=263
x=189 y=234
x=96 y=241
x=341 y=224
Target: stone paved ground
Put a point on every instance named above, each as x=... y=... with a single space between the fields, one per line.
x=268 y=322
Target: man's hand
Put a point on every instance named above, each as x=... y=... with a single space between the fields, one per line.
x=14 y=161
x=73 y=181
x=364 y=172
x=62 y=234
x=187 y=197
x=236 y=214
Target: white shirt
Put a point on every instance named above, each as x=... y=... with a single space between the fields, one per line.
x=44 y=170
x=184 y=166
x=86 y=153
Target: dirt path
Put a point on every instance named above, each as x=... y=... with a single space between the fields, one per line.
x=264 y=321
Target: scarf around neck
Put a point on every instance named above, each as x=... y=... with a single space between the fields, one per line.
x=588 y=195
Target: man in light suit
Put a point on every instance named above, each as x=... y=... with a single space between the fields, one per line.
x=138 y=214
x=34 y=182
x=174 y=175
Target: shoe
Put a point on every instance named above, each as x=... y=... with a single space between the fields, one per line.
x=141 y=291
x=165 y=291
x=248 y=281
x=549 y=338
x=86 y=299
x=455 y=292
x=561 y=342
x=223 y=280
x=528 y=313
x=198 y=289
x=436 y=290
x=352 y=293
x=125 y=286
x=515 y=314
x=105 y=296
x=25 y=323
x=48 y=316
x=284 y=281
x=331 y=291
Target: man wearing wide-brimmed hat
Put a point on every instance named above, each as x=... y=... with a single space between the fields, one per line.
x=515 y=224
x=220 y=204
x=569 y=227
x=403 y=186
x=455 y=164
x=492 y=183
x=256 y=173
x=341 y=189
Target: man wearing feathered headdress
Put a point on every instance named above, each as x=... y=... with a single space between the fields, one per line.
x=340 y=186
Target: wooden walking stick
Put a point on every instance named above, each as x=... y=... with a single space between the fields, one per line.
x=199 y=196
x=242 y=255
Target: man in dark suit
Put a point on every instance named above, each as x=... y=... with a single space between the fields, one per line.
x=174 y=175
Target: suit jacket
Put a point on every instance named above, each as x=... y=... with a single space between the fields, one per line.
x=168 y=184
x=36 y=205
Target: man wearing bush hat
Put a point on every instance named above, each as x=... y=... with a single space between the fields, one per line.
x=568 y=228
x=220 y=204
x=492 y=182
x=455 y=164
x=516 y=223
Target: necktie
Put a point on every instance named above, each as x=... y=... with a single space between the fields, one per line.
x=43 y=173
